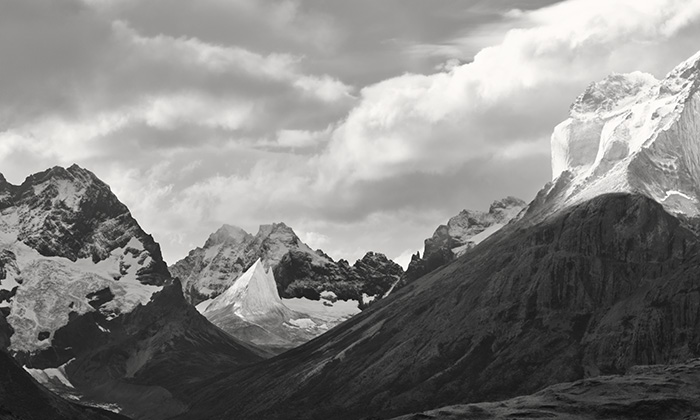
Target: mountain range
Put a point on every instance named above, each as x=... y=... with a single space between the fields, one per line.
x=598 y=274
x=299 y=271
x=561 y=308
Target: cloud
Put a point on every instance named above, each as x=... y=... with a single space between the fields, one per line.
x=508 y=97
x=247 y=112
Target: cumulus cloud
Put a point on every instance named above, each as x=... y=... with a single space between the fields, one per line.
x=508 y=97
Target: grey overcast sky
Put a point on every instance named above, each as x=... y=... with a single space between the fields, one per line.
x=362 y=124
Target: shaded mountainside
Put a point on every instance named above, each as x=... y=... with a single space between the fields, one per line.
x=461 y=233
x=208 y=271
x=22 y=398
x=600 y=287
x=373 y=275
x=646 y=392
x=95 y=313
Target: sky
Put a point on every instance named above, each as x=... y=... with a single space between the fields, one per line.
x=362 y=124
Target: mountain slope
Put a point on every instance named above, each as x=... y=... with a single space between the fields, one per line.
x=600 y=287
x=647 y=392
x=95 y=313
x=22 y=398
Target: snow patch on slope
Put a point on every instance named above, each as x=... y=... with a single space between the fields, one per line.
x=52 y=376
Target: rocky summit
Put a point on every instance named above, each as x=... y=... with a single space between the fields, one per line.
x=461 y=233
x=92 y=311
x=630 y=133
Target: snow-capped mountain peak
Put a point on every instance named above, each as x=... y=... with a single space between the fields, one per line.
x=253 y=294
x=632 y=133
x=227 y=234
x=66 y=238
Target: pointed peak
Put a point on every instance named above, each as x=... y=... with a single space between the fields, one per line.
x=74 y=174
x=226 y=234
x=276 y=229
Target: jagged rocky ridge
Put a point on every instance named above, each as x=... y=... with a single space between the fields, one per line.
x=92 y=310
x=298 y=270
x=461 y=233
x=588 y=282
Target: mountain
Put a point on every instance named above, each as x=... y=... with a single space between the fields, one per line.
x=461 y=233
x=594 y=278
x=252 y=311
x=316 y=292
x=92 y=311
x=631 y=133
x=299 y=271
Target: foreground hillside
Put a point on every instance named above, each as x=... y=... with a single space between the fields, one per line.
x=646 y=392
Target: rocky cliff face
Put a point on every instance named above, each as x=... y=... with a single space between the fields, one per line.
x=92 y=310
x=631 y=133
x=370 y=277
x=299 y=271
x=460 y=234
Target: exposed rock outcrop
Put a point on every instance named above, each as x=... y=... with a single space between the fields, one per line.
x=461 y=233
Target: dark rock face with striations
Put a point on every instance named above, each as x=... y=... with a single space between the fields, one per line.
x=92 y=311
x=374 y=275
